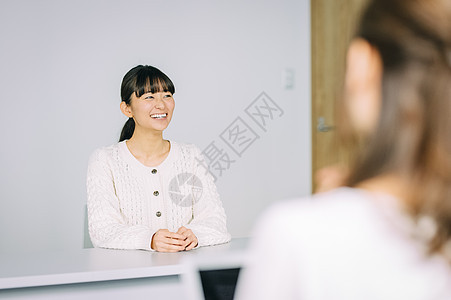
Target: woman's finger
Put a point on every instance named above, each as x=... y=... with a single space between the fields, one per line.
x=182 y=230
x=192 y=240
x=174 y=235
x=185 y=231
x=173 y=248
x=176 y=242
x=167 y=246
x=192 y=245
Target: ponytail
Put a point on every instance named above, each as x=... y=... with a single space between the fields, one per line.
x=127 y=130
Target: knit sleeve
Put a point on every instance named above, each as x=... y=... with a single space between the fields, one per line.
x=107 y=227
x=209 y=222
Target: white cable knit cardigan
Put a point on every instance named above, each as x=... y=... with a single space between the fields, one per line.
x=128 y=202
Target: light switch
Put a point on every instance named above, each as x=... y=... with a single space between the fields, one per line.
x=288 y=79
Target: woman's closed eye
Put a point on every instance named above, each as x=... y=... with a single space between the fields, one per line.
x=152 y=96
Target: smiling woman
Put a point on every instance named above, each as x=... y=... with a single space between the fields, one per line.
x=147 y=192
x=146 y=83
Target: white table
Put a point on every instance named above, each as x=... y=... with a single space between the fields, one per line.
x=98 y=273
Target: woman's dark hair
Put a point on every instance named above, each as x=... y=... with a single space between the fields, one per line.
x=139 y=81
x=413 y=137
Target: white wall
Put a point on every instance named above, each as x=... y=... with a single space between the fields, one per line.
x=61 y=66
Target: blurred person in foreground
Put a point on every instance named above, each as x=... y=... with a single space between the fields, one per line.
x=386 y=233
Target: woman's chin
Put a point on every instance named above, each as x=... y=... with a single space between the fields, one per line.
x=159 y=127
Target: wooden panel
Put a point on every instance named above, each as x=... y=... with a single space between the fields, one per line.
x=332 y=25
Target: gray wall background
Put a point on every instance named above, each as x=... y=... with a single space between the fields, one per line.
x=61 y=66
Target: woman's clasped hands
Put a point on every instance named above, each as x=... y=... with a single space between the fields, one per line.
x=166 y=241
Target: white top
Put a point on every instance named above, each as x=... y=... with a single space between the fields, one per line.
x=344 y=244
x=128 y=201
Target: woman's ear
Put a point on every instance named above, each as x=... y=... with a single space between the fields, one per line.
x=364 y=65
x=363 y=85
x=126 y=110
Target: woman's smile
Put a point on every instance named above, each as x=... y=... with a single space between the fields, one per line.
x=159 y=116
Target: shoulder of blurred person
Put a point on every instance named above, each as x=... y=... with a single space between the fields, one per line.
x=343 y=244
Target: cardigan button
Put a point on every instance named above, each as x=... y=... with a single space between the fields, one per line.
x=158 y=214
x=156 y=193
x=154 y=171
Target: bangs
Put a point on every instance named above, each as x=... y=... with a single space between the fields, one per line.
x=150 y=79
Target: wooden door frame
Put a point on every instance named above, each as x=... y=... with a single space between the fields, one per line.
x=332 y=27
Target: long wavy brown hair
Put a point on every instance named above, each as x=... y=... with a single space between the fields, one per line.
x=413 y=135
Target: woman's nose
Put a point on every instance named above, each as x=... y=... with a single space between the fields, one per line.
x=159 y=102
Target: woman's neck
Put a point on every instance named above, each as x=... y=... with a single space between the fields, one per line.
x=390 y=184
x=150 y=149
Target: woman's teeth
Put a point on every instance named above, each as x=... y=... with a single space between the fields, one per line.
x=158 y=116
